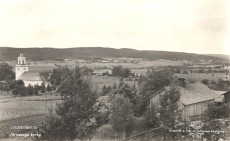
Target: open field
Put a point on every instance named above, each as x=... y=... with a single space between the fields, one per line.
x=24 y=106
x=34 y=121
x=49 y=65
x=100 y=81
x=201 y=76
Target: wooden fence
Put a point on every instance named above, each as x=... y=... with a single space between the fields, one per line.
x=146 y=136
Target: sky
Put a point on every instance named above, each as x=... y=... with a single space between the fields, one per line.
x=193 y=26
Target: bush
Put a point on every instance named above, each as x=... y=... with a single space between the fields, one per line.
x=215 y=111
x=205 y=81
x=15 y=91
x=151 y=118
x=54 y=87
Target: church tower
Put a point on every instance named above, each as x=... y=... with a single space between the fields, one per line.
x=21 y=67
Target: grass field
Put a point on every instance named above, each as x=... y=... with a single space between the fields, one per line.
x=100 y=81
x=12 y=107
x=34 y=121
x=201 y=76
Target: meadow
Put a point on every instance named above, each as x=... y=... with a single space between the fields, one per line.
x=12 y=107
x=201 y=76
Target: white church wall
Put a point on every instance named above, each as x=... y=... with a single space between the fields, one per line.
x=32 y=83
x=19 y=70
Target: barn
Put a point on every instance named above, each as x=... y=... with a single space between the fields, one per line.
x=194 y=100
x=227 y=97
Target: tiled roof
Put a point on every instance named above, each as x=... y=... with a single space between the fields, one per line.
x=193 y=93
x=196 y=92
x=30 y=76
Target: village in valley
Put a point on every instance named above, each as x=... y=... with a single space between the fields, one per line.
x=115 y=98
x=115 y=70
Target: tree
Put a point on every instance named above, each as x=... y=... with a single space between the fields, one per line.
x=121 y=115
x=53 y=87
x=43 y=88
x=59 y=75
x=104 y=90
x=76 y=113
x=49 y=89
x=29 y=90
x=36 y=89
x=155 y=80
x=151 y=118
x=23 y=91
x=9 y=78
x=20 y=83
x=125 y=72
x=116 y=71
x=205 y=81
x=15 y=91
x=169 y=109
x=6 y=71
x=114 y=85
x=12 y=85
x=215 y=111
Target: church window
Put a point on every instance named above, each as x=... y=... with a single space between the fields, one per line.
x=23 y=62
x=24 y=68
x=18 y=69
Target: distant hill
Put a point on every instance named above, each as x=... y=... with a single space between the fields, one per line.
x=37 y=54
x=220 y=56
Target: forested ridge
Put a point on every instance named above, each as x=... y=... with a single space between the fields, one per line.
x=39 y=54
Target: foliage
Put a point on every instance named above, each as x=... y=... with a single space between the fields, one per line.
x=151 y=118
x=215 y=125
x=87 y=70
x=53 y=87
x=131 y=94
x=49 y=89
x=121 y=115
x=105 y=90
x=29 y=90
x=23 y=91
x=7 y=53
x=43 y=88
x=20 y=83
x=59 y=75
x=205 y=81
x=141 y=79
x=118 y=71
x=9 y=78
x=6 y=72
x=76 y=114
x=169 y=108
x=35 y=89
x=155 y=80
x=15 y=91
x=114 y=85
x=216 y=111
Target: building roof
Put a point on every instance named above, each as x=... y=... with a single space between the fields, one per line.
x=193 y=93
x=197 y=92
x=30 y=76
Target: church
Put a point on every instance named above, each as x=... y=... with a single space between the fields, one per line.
x=22 y=73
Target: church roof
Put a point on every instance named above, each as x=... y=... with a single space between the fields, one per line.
x=30 y=76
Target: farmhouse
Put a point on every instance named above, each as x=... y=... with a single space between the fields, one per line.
x=194 y=100
x=23 y=73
